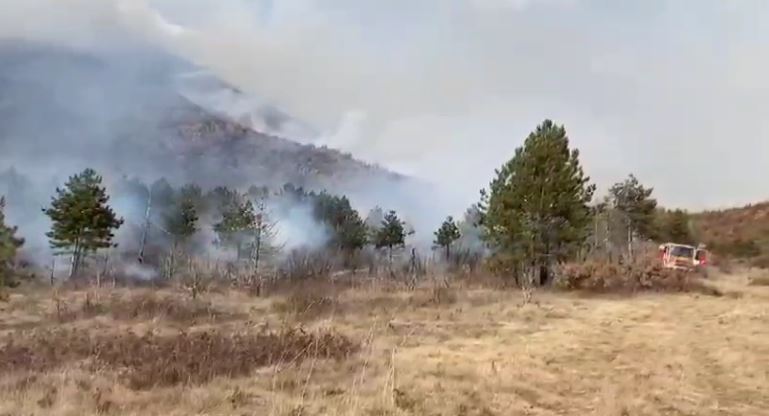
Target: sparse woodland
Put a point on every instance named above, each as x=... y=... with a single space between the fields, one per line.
x=201 y=308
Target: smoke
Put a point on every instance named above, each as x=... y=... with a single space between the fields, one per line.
x=295 y=227
x=440 y=90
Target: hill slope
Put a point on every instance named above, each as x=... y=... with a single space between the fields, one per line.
x=126 y=114
x=738 y=232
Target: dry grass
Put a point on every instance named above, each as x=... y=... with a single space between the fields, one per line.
x=139 y=305
x=760 y=280
x=150 y=360
x=436 y=350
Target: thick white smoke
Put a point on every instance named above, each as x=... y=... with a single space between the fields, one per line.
x=446 y=90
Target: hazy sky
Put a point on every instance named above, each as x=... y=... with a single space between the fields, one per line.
x=675 y=91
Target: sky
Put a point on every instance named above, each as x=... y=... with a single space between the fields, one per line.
x=675 y=91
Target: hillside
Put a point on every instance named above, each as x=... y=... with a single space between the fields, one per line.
x=130 y=114
x=739 y=232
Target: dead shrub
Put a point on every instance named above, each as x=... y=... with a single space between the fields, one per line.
x=305 y=304
x=142 y=305
x=603 y=276
x=145 y=362
x=438 y=294
x=301 y=264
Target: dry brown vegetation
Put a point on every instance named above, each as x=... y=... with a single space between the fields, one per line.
x=642 y=275
x=368 y=347
x=139 y=305
x=737 y=232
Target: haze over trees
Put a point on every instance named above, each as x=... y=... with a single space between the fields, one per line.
x=537 y=212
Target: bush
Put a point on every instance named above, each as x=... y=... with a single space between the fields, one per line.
x=148 y=361
x=305 y=303
x=645 y=275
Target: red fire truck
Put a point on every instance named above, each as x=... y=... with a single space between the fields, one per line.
x=683 y=256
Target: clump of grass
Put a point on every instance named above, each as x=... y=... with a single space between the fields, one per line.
x=306 y=305
x=310 y=299
x=149 y=361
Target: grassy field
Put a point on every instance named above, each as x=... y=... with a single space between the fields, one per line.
x=376 y=350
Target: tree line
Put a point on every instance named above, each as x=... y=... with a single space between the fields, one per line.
x=538 y=211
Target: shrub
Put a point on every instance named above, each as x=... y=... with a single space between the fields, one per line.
x=306 y=304
x=151 y=360
x=643 y=275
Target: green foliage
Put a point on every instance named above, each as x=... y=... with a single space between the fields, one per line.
x=537 y=208
x=82 y=220
x=676 y=227
x=182 y=220
x=224 y=199
x=392 y=232
x=237 y=223
x=634 y=201
x=447 y=234
x=347 y=227
x=9 y=244
x=194 y=195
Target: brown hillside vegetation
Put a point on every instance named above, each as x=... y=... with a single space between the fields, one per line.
x=738 y=232
x=377 y=348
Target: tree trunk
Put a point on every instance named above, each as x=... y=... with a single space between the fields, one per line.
x=630 y=241
x=53 y=268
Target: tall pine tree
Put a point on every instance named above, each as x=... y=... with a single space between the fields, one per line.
x=235 y=230
x=9 y=244
x=348 y=230
x=82 y=222
x=182 y=220
x=447 y=235
x=536 y=211
x=634 y=202
x=391 y=234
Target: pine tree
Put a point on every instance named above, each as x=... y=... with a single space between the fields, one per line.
x=391 y=234
x=446 y=235
x=234 y=229
x=636 y=205
x=194 y=194
x=82 y=221
x=347 y=228
x=9 y=244
x=182 y=220
x=537 y=209
x=677 y=227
